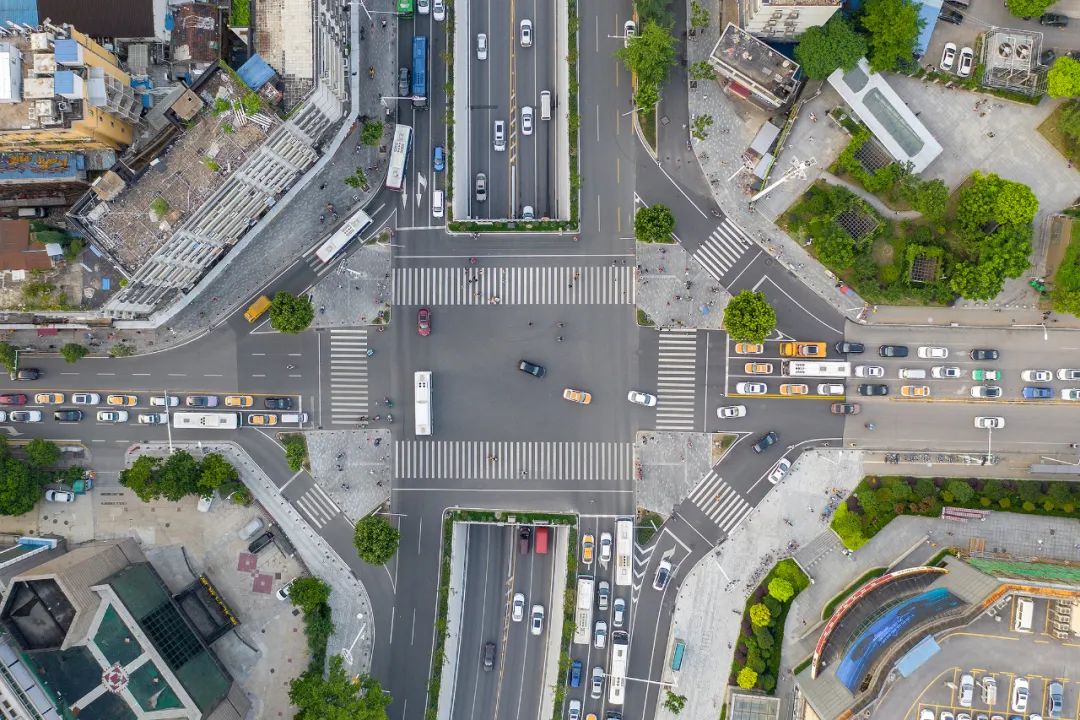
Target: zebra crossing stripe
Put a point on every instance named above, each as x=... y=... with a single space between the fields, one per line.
x=676 y=389
x=493 y=460
x=722 y=249
x=348 y=375
x=719 y=502
x=547 y=285
x=316 y=506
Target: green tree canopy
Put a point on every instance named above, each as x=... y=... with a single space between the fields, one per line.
x=893 y=26
x=699 y=15
x=179 y=476
x=7 y=356
x=290 y=314
x=760 y=615
x=295 y=451
x=781 y=589
x=989 y=197
x=1069 y=122
x=1063 y=78
x=674 y=703
x=929 y=197
x=654 y=224
x=658 y=11
x=376 y=540
x=824 y=48
x=308 y=593
x=73 y=352
x=141 y=477
x=41 y=453
x=1028 y=8
x=176 y=476
x=372 y=133
x=650 y=56
x=20 y=484
x=976 y=282
x=336 y=696
x=749 y=317
x=215 y=471
x=746 y=678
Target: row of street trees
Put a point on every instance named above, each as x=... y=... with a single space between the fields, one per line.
x=884 y=31
x=179 y=475
x=23 y=479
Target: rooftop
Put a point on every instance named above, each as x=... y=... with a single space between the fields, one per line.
x=195 y=34
x=18 y=251
x=802 y=3
x=755 y=62
x=103 y=18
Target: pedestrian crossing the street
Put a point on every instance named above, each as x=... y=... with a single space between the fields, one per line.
x=676 y=388
x=719 y=502
x=722 y=249
x=470 y=285
x=348 y=375
x=525 y=461
x=316 y=507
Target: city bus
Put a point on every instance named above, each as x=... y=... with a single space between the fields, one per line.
x=257 y=308
x=405 y=7
x=422 y=388
x=620 y=646
x=350 y=229
x=624 y=551
x=583 y=610
x=206 y=420
x=811 y=368
x=419 y=71
x=399 y=158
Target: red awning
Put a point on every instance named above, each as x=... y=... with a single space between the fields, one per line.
x=47 y=332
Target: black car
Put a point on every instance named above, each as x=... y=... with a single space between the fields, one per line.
x=766 y=440
x=531 y=368
x=260 y=542
x=403 y=82
x=67 y=416
x=873 y=389
x=524 y=539
x=489 y=655
x=1053 y=20
x=25 y=374
x=950 y=16
x=277 y=403
x=893 y=351
x=846 y=347
x=984 y=354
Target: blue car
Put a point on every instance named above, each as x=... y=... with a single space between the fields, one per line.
x=1037 y=393
x=575 y=674
x=439 y=159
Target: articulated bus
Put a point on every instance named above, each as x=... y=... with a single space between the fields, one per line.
x=816 y=368
x=583 y=611
x=620 y=646
x=422 y=389
x=624 y=551
x=350 y=229
x=206 y=420
x=399 y=158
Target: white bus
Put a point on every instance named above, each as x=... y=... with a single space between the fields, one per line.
x=206 y=420
x=616 y=676
x=399 y=158
x=352 y=227
x=820 y=368
x=583 y=611
x=624 y=551
x=422 y=389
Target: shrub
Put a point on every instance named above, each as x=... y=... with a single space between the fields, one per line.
x=747 y=678
x=376 y=540
x=760 y=615
x=74 y=352
x=372 y=133
x=295 y=451
x=781 y=589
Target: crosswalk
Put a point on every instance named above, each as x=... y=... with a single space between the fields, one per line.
x=348 y=375
x=317 y=266
x=719 y=502
x=464 y=285
x=316 y=506
x=676 y=389
x=525 y=461
x=723 y=248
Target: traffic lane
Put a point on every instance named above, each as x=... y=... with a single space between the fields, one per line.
x=587 y=653
x=513 y=674
x=522 y=696
x=797 y=421
x=482 y=599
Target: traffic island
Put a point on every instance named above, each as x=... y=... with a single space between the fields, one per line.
x=674 y=290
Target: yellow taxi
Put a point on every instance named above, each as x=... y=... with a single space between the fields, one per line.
x=794 y=389
x=803 y=349
x=49 y=398
x=578 y=396
x=915 y=390
x=745 y=348
x=240 y=401
x=588 y=543
x=122 y=400
x=262 y=419
x=756 y=368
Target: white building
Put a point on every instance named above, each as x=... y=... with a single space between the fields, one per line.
x=784 y=19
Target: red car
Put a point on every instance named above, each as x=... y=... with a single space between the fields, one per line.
x=423 y=321
x=19 y=399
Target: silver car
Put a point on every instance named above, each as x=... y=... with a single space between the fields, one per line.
x=527 y=120
x=481 y=187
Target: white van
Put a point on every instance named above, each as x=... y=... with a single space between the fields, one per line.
x=1025 y=608
x=499 y=141
x=294 y=418
x=437 y=203
x=545 y=104
x=31 y=212
x=912 y=374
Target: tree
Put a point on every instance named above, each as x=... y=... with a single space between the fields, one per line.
x=654 y=224
x=7 y=355
x=760 y=615
x=672 y=702
x=1028 y=8
x=699 y=16
x=976 y=282
x=20 y=487
x=41 y=453
x=1069 y=122
x=376 y=540
x=295 y=451
x=929 y=198
x=962 y=492
x=1008 y=250
x=700 y=126
x=337 y=697
x=749 y=317
x=307 y=593
x=649 y=57
x=1063 y=78
x=141 y=477
x=893 y=26
x=372 y=133
x=290 y=314
x=358 y=179
x=824 y=48
x=746 y=678
x=215 y=471
x=992 y=198
x=73 y=352
x=654 y=10
x=179 y=476
x=781 y=589
x=701 y=70
x=834 y=247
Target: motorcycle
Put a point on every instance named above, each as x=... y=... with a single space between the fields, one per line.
x=370 y=352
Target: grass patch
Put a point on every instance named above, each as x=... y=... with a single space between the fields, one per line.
x=241 y=13
x=643 y=319
x=802 y=666
x=866 y=577
x=522 y=518
x=647 y=121
x=1050 y=128
x=473 y=226
x=647 y=524
x=438 y=655
x=878 y=499
x=567 y=622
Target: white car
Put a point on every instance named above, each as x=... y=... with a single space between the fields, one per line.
x=945 y=715
x=537 y=619
x=423 y=6
x=618 y=612
x=640 y=398
x=986 y=391
x=153 y=418
x=945 y=372
x=751 y=388
x=779 y=470
x=438 y=10
x=59 y=496
x=989 y=422
x=1068 y=374
x=948 y=56
x=600 y=634
x=517 y=608
x=932 y=352
x=663 y=574
x=1020 y=695
x=967 y=60
x=526 y=33
x=1070 y=394
x=526 y=120
x=481 y=46
x=926 y=714
x=629 y=32
x=830 y=389
x=27 y=416
x=85 y=398
x=574 y=710
x=165 y=400
x=869 y=371
x=730 y=412
x=112 y=416
x=1037 y=375
x=967 y=690
x=605 y=547
x=283 y=591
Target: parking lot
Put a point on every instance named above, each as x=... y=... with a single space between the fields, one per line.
x=991 y=647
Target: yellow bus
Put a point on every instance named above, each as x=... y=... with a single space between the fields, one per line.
x=257 y=308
